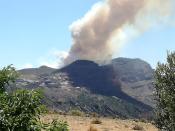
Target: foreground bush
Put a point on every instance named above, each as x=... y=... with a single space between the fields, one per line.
x=20 y=110
x=165 y=94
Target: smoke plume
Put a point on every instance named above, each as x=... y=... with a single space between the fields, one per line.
x=104 y=29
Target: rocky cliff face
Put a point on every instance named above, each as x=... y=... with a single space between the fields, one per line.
x=122 y=88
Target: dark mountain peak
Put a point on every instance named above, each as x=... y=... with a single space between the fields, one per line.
x=84 y=63
x=80 y=65
x=43 y=66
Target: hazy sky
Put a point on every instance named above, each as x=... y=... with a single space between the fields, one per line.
x=36 y=32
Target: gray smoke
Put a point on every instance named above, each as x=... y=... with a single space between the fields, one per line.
x=103 y=30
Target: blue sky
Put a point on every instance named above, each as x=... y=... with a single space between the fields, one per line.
x=32 y=30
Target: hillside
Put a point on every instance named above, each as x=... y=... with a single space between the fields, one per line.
x=122 y=88
x=136 y=78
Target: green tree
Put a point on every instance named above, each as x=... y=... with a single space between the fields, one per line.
x=7 y=75
x=20 y=110
x=165 y=94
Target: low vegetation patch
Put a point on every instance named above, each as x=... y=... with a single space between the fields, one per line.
x=96 y=121
x=76 y=113
x=138 y=127
x=56 y=126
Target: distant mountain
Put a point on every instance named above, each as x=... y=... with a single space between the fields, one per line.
x=123 y=88
x=35 y=73
x=136 y=78
x=132 y=70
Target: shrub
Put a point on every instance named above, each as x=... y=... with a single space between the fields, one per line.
x=76 y=113
x=56 y=126
x=137 y=127
x=165 y=94
x=144 y=120
x=7 y=75
x=96 y=121
x=20 y=110
x=94 y=114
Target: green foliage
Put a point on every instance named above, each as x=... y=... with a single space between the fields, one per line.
x=56 y=126
x=21 y=109
x=7 y=75
x=76 y=112
x=165 y=94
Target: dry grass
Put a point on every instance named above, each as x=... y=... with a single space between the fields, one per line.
x=92 y=129
x=78 y=123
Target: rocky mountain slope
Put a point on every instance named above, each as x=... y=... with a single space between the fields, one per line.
x=136 y=78
x=122 y=88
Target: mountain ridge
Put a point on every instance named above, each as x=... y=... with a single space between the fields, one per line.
x=89 y=87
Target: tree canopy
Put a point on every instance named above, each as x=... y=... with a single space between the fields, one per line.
x=165 y=94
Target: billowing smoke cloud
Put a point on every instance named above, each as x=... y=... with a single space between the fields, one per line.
x=103 y=30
